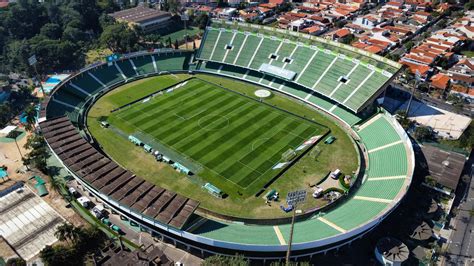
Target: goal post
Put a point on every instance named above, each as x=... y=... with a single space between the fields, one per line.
x=288 y=155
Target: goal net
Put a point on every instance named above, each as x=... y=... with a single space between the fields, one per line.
x=288 y=155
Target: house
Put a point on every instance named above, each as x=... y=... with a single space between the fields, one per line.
x=440 y=81
x=341 y=34
x=297 y=25
x=368 y=21
x=414 y=68
x=314 y=30
x=148 y=19
x=422 y=16
x=463 y=73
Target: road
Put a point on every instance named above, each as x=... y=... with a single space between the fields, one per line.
x=425 y=98
x=461 y=247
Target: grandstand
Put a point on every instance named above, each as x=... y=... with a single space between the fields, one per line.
x=239 y=51
x=350 y=77
x=87 y=84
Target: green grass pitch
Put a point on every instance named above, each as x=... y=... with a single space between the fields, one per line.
x=235 y=139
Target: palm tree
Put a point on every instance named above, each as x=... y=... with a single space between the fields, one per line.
x=30 y=115
x=66 y=232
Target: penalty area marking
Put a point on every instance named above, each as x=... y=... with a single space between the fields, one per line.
x=257 y=142
x=209 y=126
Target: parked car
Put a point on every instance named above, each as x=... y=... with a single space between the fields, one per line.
x=74 y=192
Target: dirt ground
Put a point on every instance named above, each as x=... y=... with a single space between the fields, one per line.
x=190 y=44
x=10 y=157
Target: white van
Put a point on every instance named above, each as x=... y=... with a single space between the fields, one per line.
x=335 y=174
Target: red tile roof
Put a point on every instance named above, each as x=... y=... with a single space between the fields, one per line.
x=423 y=69
x=341 y=33
x=311 y=29
x=440 y=81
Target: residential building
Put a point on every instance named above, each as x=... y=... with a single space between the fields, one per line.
x=463 y=73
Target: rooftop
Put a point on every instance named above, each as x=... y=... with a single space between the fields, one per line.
x=446 y=167
x=139 y=14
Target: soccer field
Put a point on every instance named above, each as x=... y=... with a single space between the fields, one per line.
x=236 y=140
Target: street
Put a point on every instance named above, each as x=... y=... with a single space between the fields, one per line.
x=461 y=247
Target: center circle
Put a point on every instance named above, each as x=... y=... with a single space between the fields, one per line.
x=263 y=93
x=213 y=122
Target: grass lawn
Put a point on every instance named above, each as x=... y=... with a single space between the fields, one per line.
x=237 y=140
x=179 y=34
x=95 y=55
x=341 y=154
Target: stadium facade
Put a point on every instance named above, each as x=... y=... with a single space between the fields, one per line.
x=338 y=80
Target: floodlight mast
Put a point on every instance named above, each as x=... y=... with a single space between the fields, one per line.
x=293 y=198
x=288 y=251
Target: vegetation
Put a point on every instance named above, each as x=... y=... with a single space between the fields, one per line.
x=15 y=262
x=38 y=152
x=219 y=260
x=308 y=170
x=22 y=98
x=402 y=118
x=80 y=243
x=423 y=133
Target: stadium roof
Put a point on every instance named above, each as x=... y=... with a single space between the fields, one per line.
x=139 y=14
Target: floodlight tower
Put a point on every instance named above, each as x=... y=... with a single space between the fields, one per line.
x=293 y=198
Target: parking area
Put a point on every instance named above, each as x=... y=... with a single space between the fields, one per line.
x=27 y=222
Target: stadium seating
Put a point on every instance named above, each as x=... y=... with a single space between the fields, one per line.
x=87 y=83
x=144 y=64
x=126 y=68
x=388 y=159
x=290 y=88
x=372 y=133
x=317 y=68
x=70 y=99
x=108 y=75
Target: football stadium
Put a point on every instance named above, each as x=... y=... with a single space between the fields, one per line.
x=201 y=148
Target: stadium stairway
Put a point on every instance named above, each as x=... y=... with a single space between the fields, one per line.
x=386 y=182
x=348 y=78
x=282 y=86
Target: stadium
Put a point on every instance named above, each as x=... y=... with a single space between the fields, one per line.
x=232 y=146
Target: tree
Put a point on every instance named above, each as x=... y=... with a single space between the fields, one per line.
x=172 y=6
x=394 y=57
x=60 y=255
x=201 y=21
x=176 y=44
x=467 y=138
x=30 y=115
x=423 y=133
x=219 y=260
x=5 y=114
x=409 y=45
x=169 y=42
x=119 y=38
x=38 y=152
x=51 y=31
x=194 y=44
x=341 y=23
x=67 y=232
x=402 y=118
x=16 y=262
